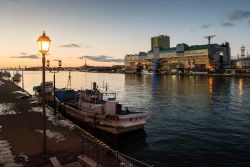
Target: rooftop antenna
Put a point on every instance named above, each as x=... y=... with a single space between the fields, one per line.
x=209 y=37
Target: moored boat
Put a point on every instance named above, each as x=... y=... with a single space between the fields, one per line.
x=16 y=77
x=100 y=110
x=49 y=88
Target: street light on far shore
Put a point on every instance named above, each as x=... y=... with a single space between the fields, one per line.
x=43 y=46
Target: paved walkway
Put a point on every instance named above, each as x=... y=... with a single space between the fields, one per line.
x=21 y=138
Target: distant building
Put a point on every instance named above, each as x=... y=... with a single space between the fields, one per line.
x=161 y=42
x=242 y=63
x=180 y=59
x=240 y=66
x=242 y=51
x=226 y=53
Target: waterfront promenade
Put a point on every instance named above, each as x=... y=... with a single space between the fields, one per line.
x=21 y=138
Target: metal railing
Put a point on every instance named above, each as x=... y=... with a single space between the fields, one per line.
x=103 y=155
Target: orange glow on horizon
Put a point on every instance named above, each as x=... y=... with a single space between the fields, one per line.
x=67 y=62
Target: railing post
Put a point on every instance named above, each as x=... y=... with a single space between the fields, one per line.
x=82 y=145
x=97 y=158
x=117 y=160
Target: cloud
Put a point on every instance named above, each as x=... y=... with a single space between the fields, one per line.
x=25 y=56
x=204 y=26
x=102 y=58
x=239 y=15
x=71 y=45
x=227 y=24
x=74 y=45
x=249 y=22
x=23 y=53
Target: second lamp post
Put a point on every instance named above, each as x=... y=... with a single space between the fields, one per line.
x=54 y=70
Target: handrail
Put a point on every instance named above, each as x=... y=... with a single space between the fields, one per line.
x=140 y=162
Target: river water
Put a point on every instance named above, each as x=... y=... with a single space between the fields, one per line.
x=193 y=120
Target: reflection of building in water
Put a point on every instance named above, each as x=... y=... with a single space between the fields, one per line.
x=182 y=58
x=240 y=87
x=155 y=82
x=210 y=86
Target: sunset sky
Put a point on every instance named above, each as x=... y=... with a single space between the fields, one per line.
x=104 y=31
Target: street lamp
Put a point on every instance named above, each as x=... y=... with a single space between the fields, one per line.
x=43 y=46
x=54 y=70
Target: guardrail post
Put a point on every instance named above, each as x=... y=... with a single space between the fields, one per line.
x=97 y=158
x=117 y=160
x=82 y=144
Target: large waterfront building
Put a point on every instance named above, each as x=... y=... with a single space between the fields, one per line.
x=180 y=59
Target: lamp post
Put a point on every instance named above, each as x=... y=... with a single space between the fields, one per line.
x=43 y=46
x=54 y=70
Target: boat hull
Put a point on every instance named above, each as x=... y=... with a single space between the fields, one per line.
x=114 y=126
x=118 y=131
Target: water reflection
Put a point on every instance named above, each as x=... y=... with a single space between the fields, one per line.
x=240 y=87
x=155 y=82
x=210 y=81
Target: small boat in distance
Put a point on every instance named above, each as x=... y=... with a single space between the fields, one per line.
x=99 y=110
